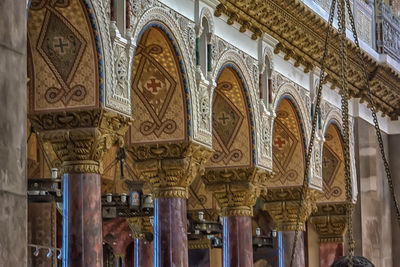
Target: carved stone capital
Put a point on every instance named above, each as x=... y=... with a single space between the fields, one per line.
x=330 y=221
x=140 y=226
x=283 y=203
x=80 y=138
x=170 y=168
x=236 y=190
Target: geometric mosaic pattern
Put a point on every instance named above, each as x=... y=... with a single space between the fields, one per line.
x=158 y=97
x=231 y=123
x=287 y=145
x=332 y=166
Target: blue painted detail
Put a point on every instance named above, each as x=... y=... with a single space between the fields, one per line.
x=65 y=221
x=248 y=101
x=281 y=250
x=97 y=40
x=156 y=228
x=225 y=243
x=181 y=66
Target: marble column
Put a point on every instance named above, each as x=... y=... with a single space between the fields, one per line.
x=170 y=232
x=237 y=241
x=170 y=169
x=13 y=165
x=329 y=252
x=144 y=253
x=82 y=235
x=287 y=245
x=119 y=261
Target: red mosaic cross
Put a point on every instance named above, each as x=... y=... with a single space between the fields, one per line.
x=279 y=141
x=154 y=85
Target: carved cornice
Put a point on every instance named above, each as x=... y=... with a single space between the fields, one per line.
x=236 y=190
x=140 y=226
x=330 y=222
x=80 y=138
x=170 y=168
x=301 y=36
x=199 y=244
x=283 y=203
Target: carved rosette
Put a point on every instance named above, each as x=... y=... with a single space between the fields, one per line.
x=330 y=222
x=283 y=203
x=170 y=168
x=140 y=226
x=236 y=190
x=79 y=139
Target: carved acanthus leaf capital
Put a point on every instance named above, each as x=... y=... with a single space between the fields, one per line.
x=170 y=168
x=236 y=190
x=140 y=226
x=283 y=203
x=81 y=138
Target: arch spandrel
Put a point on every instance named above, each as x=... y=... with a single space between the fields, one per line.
x=158 y=92
x=333 y=166
x=64 y=57
x=232 y=138
x=288 y=147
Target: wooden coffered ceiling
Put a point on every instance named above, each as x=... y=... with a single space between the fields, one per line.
x=301 y=35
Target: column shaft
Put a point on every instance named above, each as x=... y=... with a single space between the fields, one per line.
x=144 y=253
x=329 y=252
x=170 y=232
x=82 y=221
x=237 y=244
x=287 y=244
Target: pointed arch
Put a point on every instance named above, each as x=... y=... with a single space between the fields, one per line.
x=288 y=144
x=160 y=100
x=67 y=61
x=232 y=121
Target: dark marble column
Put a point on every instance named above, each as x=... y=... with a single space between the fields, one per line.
x=170 y=232
x=287 y=245
x=144 y=253
x=329 y=252
x=237 y=246
x=129 y=256
x=82 y=234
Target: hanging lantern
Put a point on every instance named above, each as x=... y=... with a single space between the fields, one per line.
x=147 y=203
x=358 y=261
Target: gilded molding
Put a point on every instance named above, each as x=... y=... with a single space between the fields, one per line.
x=330 y=222
x=170 y=168
x=283 y=203
x=203 y=243
x=81 y=138
x=139 y=226
x=236 y=190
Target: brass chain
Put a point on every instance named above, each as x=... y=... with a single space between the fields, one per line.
x=313 y=130
x=373 y=111
x=341 y=11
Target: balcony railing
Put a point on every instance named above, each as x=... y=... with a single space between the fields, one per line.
x=387 y=31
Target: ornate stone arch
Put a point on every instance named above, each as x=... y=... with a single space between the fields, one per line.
x=206 y=13
x=182 y=31
x=333 y=116
x=249 y=72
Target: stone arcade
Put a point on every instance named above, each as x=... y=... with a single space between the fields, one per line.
x=175 y=133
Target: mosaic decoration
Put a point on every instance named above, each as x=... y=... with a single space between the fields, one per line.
x=157 y=89
x=332 y=166
x=64 y=56
x=287 y=147
x=231 y=123
x=204 y=196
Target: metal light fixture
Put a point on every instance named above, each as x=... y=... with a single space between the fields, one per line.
x=123 y=197
x=260 y=240
x=49 y=253
x=36 y=252
x=54 y=173
x=59 y=256
x=109 y=197
x=358 y=261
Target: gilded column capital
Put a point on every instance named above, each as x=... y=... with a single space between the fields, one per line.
x=283 y=203
x=236 y=190
x=330 y=222
x=80 y=138
x=170 y=168
x=140 y=226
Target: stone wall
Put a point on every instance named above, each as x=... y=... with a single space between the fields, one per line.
x=13 y=203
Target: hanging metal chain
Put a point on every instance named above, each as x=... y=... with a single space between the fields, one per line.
x=373 y=111
x=341 y=11
x=313 y=130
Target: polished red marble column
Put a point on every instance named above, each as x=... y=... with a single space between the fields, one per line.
x=287 y=246
x=144 y=253
x=82 y=220
x=329 y=252
x=170 y=232
x=130 y=251
x=237 y=242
